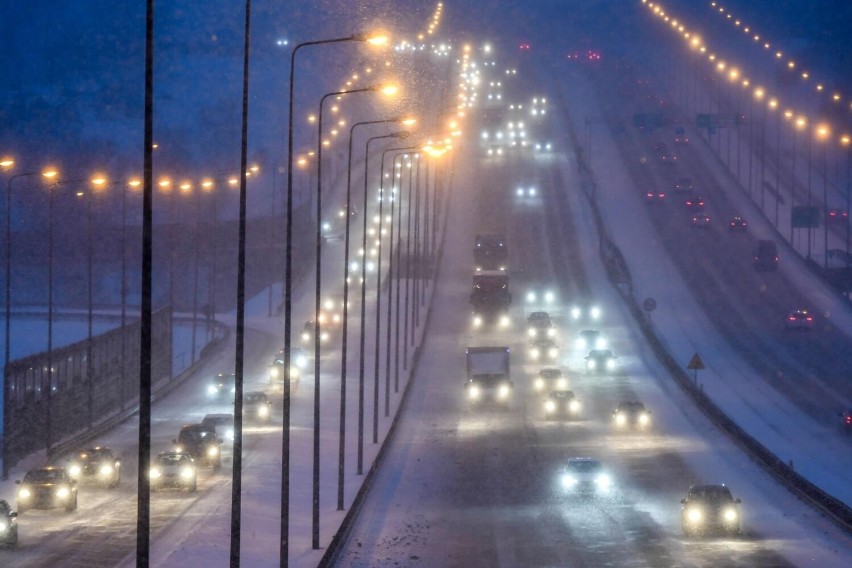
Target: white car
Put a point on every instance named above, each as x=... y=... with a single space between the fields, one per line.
x=550 y=378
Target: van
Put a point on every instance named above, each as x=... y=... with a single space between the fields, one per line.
x=765 y=256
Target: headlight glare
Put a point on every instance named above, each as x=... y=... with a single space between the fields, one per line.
x=473 y=392
x=212 y=451
x=187 y=472
x=154 y=473
x=24 y=493
x=63 y=492
x=74 y=470
x=549 y=406
x=105 y=470
x=574 y=406
x=730 y=515
x=694 y=515
x=503 y=391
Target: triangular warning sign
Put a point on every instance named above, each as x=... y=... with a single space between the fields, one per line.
x=695 y=363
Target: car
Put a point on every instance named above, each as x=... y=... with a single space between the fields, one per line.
x=308 y=330
x=589 y=312
x=683 y=185
x=331 y=312
x=631 y=414
x=583 y=475
x=543 y=348
x=680 y=138
x=540 y=297
x=709 y=509
x=201 y=443
x=694 y=203
x=550 y=377
x=738 y=225
x=765 y=256
x=667 y=158
x=173 y=470
x=8 y=525
x=654 y=196
x=600 y=361
x=799 y=320
x=495 y=150
x=526 y=191
x=540 y=324
x=590 y=339
x=561 y=404
x=223 y=424
x=661 y=147
x=257 y=407
x=222 y=387
x=846 y=420
x=836 y=215
x=98 y=464
x=48 y=487
x=299 y=358
x=700 y=220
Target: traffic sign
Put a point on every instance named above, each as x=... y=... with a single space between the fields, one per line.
x=649 y=304
x=695 y=364
x=803 y=217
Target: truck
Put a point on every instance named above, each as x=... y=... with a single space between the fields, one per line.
x=488 y=376
x=490 y=298
x=490 y=252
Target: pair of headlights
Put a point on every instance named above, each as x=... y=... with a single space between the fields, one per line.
x=474 y=392
x=695 y=515
x=573 y=406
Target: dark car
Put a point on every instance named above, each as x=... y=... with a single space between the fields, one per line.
x=836 y=215
x=765 y=256
x=308 y=331
x=539 y=324
x=738 y=225
x=550 y=377
x=222 y=423
x=709 y=509
x=257 y=407
x=561 y=404
x=694 y=203
x=654 y=196
x=201 y=443
x=222 y=387
x=846 y=420
x=543 y=349
x=667 y=158
x=799 y=320
x=600 y=361
x=8 y=525
x=631 y=414
x=683 y=185
x=48 y=487
x=98 y=464
x=173 y=470
x=586 y=476
x=701 y=220
x=590 y=339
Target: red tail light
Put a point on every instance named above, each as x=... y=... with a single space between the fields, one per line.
x=792 y=318
x=849 y=419
x=809 y=318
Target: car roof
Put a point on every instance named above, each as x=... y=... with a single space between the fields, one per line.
x=550 y=371
x=630 y=404
x=582 y=460
x=600 y=353
x=217 y=418
x=589 y=332
x=561 y=394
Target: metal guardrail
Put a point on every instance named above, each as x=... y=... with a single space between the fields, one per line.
x=619 y=274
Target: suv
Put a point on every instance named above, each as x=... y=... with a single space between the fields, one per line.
x=47 y=487
x=632 y=414
x=222 y=387
x=222 y=423
x=201 y=443
x=765 y=256
x=710 y=508
x=256 y=407
x=600 y=361
x=550 y=377
x=97 y=464
x=540 y=324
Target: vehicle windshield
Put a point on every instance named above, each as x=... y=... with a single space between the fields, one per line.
x=710 y=493
x=584 y=466
x=44 y=476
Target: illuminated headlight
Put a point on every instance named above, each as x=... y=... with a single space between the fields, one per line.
x=3 y=527
x=694 y=515
x=499 y=151
x=212 y=389
x=473 y=392
x=263 y=411
x=530 y=297
x=600 y=343
x=620 y=419
x=212 y=451
x=730 y=515
x=562 y=383
x=106 y=470
x=504 y=321
x=24 y=494
x=574 y=406
x=301 y=361
x=576 y=313
x=229 y=434
x=187 y=472
x=603 y=481
x=551 y=332
x=520 y=192
x=305 y=336
x=644 y=419
x=324 y=336
x=591 y=364
x=295 y=373
x=490 y=152
x=63 y=493
x=532 y=332
x=595 y=312
x=580 y=343
x=553 y=352
x=477 y=321
x=534 y=353
x=549 y=406
x=273 y=372
x=503 y=391
x=532 y=191
x=610 y=364
x=568 y=480
x=538 y=384
x=74 y=470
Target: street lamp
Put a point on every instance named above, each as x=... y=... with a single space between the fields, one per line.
x=50 y=174
x=375 y=40
x=98 y=182
x=344 y=342
x=823 y=134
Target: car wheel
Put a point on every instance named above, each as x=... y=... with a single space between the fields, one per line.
x=217 y=465
x=13 y=538
x=192 y=488
x=71 y=507
x=20 y=508
x=115 y=482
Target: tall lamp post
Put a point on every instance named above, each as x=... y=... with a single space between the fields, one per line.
x=823 y=133
x=284 y=539
x=344 y=343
